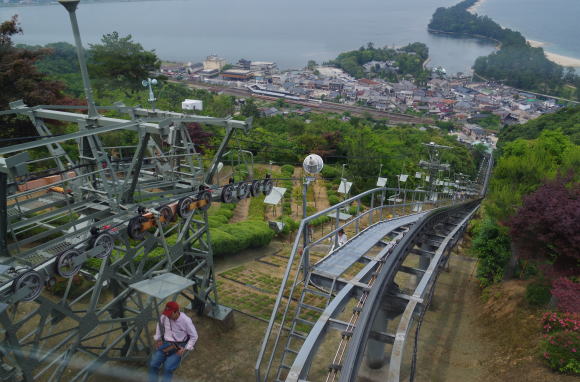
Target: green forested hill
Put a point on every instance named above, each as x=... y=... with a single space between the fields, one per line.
x=568 y=120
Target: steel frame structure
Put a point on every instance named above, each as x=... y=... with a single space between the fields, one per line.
x=292 y=340
x=95 y=225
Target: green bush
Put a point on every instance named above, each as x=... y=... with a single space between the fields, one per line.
x=333 y=199
x=233 y=238
x=538 y=293
x=257 y=208
x=223 y=243
x=224 y=212
x=491 y=244
x=319 y=220
x=290 y=225
x=330 y=172
x=217 y=220
x=287 y=170
x=561 y=351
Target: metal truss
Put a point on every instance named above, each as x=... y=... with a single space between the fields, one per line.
x=103 y=223
x=77 y=235
x=343 y=302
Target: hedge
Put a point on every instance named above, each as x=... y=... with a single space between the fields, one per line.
x=287 y=170
x=236 y=237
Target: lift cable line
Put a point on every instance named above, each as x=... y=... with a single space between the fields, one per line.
x=129 y=224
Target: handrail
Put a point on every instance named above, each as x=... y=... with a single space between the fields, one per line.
x=354 y=355
x=420 y=292
x=295 y=249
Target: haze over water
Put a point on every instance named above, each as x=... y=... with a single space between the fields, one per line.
x=288 y=33
x=553 y=22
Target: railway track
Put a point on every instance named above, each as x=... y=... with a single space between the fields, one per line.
x=322 y=106
x=353 y=310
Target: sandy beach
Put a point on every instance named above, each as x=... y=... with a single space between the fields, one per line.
x=557 y=58
x=475 y=6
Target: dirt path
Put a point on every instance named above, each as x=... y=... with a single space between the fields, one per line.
x=296 y=204
x=464 y=339
x=452 y=346
x=241 y=211
x=320 y=196
x=458 y=340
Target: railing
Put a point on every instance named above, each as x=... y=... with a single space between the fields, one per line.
x=302 y=245
x=424 y=289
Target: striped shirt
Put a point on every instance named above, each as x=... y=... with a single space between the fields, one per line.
x=177 y=330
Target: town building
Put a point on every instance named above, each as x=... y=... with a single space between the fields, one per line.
x=267 y=68
x=237 y=75
x=213 y=62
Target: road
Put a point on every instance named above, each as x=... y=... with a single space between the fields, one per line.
x=323 y=106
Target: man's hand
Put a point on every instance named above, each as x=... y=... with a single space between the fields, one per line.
x=181 y=352
x=158 y=344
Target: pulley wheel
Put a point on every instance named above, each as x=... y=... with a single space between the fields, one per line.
x=183 y=207
x=32 y=280
x=206 y=195
x=65 y=266
x=106 y=243
x=255 y=188
x=167 y=213
x=227 y=194
x=267 y=186
x=243 y=190
x=134 y=228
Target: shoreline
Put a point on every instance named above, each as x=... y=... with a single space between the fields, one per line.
x=565 y=61
x=559 y=59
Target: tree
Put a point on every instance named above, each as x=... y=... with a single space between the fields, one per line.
x=311 y=64
x=19 y=79
x=199 y=136
x=547 y=226
x=249 y=108
x=118 y=62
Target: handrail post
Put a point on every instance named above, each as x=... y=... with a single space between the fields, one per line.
x=372 y=207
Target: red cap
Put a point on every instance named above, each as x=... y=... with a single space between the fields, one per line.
x=170 y=308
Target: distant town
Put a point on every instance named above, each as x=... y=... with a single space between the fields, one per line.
x=480 y=108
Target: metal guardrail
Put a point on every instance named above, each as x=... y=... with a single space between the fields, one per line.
x=300 y=252
x=357 y=343
x=426 y=287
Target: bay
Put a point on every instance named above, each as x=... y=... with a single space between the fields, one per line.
x=288 y=33
x=553 y=23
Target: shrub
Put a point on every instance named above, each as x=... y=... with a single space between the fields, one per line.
x=568 y=294
x=331 y=172
x=492 y=246
x=290 y=225
x=217 y=220
x=538 y=293
x=561 y=344
x=287 y=170
x=233 y=238
x=561 y=351
x=546 y=226
x=319 y=220
x=257 y=208
x=352 y=210
x=333 y=199
x=554 y=322
x=227 y=213
x=222 y=242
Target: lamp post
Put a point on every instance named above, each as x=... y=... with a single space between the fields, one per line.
x=71 y=7
x=147 y=83
x=312 y=165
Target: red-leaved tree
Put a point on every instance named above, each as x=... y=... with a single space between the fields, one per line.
x=19 y=79
x=547 y=226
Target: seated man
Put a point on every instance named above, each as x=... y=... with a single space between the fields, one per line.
x=174 y=335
